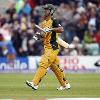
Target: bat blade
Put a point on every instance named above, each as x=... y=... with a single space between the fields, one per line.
x=63 y=43
x=37 y=26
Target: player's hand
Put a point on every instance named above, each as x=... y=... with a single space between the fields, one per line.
x=46 y=30
x=37 y=36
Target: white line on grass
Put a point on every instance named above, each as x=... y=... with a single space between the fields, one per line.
x=75 y=99
x=6 y=99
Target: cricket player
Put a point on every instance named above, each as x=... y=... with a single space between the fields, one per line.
x=51 y=49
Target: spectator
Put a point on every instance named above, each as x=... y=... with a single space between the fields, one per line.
x=11 y=11
x=76 y=47
x=97 y=39
x=80 y=19
x=90 y=48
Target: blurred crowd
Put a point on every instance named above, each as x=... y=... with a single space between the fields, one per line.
x=80 y=19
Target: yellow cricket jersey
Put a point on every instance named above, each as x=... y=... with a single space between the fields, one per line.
x=51 y=38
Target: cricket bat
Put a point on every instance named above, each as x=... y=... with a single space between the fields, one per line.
x=60 y=41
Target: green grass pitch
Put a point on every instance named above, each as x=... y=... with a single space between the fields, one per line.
x=83 y=85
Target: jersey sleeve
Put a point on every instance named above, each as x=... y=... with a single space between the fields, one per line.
x=56 y=23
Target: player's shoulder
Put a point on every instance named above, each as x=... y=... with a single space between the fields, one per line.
x=55 y=22
x=41 y=23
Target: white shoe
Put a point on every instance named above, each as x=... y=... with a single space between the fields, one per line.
x=67 y=86
x=30 y=84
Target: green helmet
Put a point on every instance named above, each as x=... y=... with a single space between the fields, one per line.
x=40 y=9
x=51 y=7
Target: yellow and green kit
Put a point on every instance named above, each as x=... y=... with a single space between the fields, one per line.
x=49 y=57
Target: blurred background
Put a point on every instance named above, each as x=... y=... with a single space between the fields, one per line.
x=81 y=22
x=80 y=19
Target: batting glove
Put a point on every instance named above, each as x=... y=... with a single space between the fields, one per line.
x=37 y=36
x=46 y=30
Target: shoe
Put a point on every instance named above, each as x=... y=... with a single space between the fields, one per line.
x=67 y=86
x=30 y=84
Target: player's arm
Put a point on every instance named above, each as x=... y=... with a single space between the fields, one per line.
x=56 y=26
x=39 y=34
x=59 y=29
x=65 y=44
